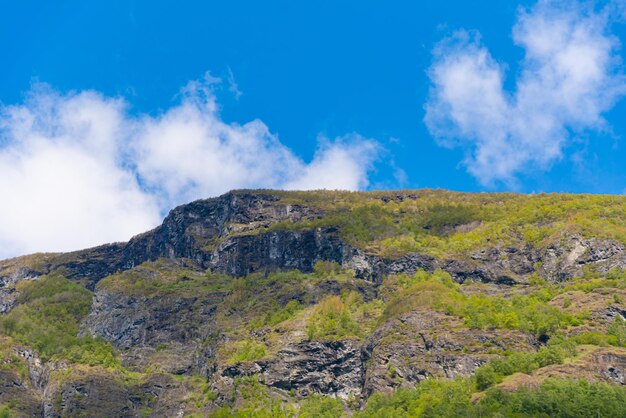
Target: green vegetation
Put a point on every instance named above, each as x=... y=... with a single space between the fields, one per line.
x=277 y=315
x=447 y=398
x=422 y=290
x=254 y=401
x=259 y=300
x=339 y=317
x=317 y=406
x=332 y=319
x=452 y=398
x=526 y=312
x=431 y=398
x=342 y=316
x=202 y=395
x=592 y=280
x=444 y=223
x=555 y=352
x=268 y=304
x=47 y=319
x=253 y=317
x=348 y=315
x=559 y=398
x=164 y=277
x=617 y=332
x=530 y=313
x=246 y=350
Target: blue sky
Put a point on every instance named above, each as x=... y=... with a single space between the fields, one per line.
x=333 y=94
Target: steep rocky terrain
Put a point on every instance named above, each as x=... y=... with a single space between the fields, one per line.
x=267 y=303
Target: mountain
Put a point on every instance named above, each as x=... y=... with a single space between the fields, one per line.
x=271 y=303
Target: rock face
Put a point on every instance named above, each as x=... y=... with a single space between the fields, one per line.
x=55 y=390
x=280 y=250
x=332 y=368
x=170 y=334
x=14 y=386
x=87 y=266
x=39 y=372
x=10 y=275
x=106 y=394
x=566 y=259
x=229 y=234
x=191 y=231
x=129 y=321
x=423 y=344
x=611 y=366
x=161 y=332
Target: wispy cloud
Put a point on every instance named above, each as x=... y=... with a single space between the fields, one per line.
x=78 y=169
x=232 y=85
x=569 y=77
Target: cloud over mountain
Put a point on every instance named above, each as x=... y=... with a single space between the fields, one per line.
x=79 y=169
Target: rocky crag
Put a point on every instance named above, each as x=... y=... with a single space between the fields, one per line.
x=263 y=299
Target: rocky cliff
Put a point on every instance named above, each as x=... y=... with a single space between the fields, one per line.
x=264 y=301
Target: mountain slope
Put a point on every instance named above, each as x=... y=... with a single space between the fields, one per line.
x=304 y=303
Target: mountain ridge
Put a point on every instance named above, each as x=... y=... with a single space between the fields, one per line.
x=294 y=295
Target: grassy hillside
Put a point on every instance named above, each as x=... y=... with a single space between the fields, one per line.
x=167 y=337
x=441 y=223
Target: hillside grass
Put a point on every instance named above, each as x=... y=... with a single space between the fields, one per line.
x=47 y=319
x=165 y=277
x=453 y=398
x=445 y=224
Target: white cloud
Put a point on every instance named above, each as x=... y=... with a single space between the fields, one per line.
x=61 y=178
x=569 y=77
x=342 y=164
x=190 y=152
x=78 y=170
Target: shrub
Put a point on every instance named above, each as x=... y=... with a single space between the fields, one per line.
x=558 y=398
x=47 y=320
x=318 y=406
x=525 y=312
x=332 y=319
x=277 y=315
x=486 y=377
x=431 y=398
x=523 y=362
x=246 y=350
x=617 y=332
x=434 y=290
x=325 y=268
x=553 y=398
